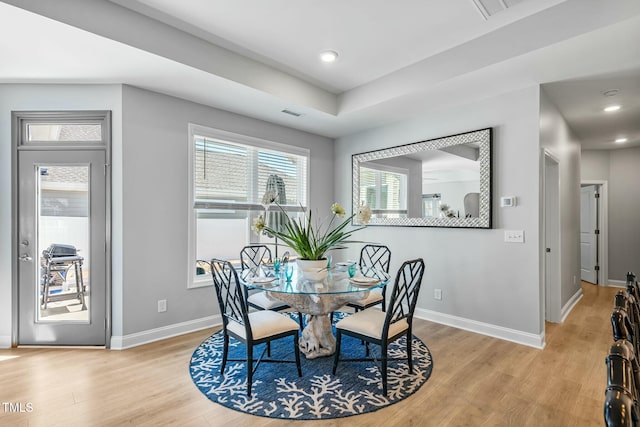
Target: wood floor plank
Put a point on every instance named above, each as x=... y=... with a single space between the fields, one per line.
x=476 y=381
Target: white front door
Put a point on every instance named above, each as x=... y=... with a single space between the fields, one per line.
x=588 y=234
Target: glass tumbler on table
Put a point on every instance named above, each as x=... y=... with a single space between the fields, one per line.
x=352 y=270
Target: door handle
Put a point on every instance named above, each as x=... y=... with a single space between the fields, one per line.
x=25 y=257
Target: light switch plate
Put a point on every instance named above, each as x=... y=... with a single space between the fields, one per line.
x=514 y=236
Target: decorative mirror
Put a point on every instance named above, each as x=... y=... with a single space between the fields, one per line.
x=443 y=182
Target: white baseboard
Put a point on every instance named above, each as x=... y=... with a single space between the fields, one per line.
x=617 y=283
x=157 y=334
x=513 y=335
x=5 y=341
x=570 y=304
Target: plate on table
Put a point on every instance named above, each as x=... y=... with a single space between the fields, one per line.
x=261 y=280
x=344 y=264
x=364 y=281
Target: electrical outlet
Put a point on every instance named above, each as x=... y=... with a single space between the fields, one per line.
x=162 y=305
x=514 y=236
x=437 y=294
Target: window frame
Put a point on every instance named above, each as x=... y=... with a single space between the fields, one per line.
x=193 y=206
x=63 y=117
x=402 y=196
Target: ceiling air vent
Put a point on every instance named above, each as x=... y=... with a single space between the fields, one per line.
x=490 y=7
x=291 y=113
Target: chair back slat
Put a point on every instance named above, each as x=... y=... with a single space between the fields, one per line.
x=375 y=256
x=229 y=292
x=252 y=256
x=405 y=292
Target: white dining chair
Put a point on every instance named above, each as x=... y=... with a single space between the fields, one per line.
x=381 y=328
x=252 y=328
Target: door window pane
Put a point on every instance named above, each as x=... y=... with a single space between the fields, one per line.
x=64 y=132
x=63 y=242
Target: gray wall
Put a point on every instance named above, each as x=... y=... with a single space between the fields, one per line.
x=156 y=205
x=150 y=203
x=594 y=165
x=483 y=279
x=557 y=138
x=620 y=169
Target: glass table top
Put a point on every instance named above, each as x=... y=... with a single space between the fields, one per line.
x=337 y=280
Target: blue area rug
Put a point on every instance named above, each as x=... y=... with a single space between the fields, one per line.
x=278 y=392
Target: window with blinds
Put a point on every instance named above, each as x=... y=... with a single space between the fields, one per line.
x=383 y=191
x=229 y=175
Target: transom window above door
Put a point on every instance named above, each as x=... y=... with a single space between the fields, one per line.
x=63 y=128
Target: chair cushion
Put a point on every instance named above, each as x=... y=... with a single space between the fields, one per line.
x=374 y=297
x=264 y=323
x=263 y=301
x=369 y=323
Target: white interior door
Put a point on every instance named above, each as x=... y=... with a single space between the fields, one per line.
x=588 y=234
x=552 y=303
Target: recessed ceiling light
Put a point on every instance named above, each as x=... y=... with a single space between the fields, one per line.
x=611 y=108
x=329 y=56
x=621 y=140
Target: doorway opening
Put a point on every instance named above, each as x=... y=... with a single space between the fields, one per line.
x=594 y=232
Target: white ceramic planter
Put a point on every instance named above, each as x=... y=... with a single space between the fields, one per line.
x=314 y=270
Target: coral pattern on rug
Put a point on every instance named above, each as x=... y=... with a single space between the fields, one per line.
x=278 y=392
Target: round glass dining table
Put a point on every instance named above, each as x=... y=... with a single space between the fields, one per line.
x=316 y=298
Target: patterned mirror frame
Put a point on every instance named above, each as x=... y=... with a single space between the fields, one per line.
x=483 y=137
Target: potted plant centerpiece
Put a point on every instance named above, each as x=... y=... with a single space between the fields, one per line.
x=311 y=239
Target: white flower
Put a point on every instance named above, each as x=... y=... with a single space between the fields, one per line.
x=337 y=210
x=364 y=214
x=258 y=225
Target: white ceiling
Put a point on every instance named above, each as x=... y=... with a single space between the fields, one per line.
x=373 y=37
x=397 y=59
x=583 y=101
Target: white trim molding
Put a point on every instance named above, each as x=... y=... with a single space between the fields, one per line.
x=513 y=335
x=164 y=332
x=570 y=304
x=617 y=283
x=5 y=341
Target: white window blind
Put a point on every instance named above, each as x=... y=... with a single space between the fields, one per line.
x=230 y=175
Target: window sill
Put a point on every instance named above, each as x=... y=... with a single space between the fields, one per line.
x=200 y=283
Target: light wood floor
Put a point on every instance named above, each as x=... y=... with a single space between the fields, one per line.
x=476 y=381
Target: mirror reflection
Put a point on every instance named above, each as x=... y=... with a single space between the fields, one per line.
x=442 y=183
